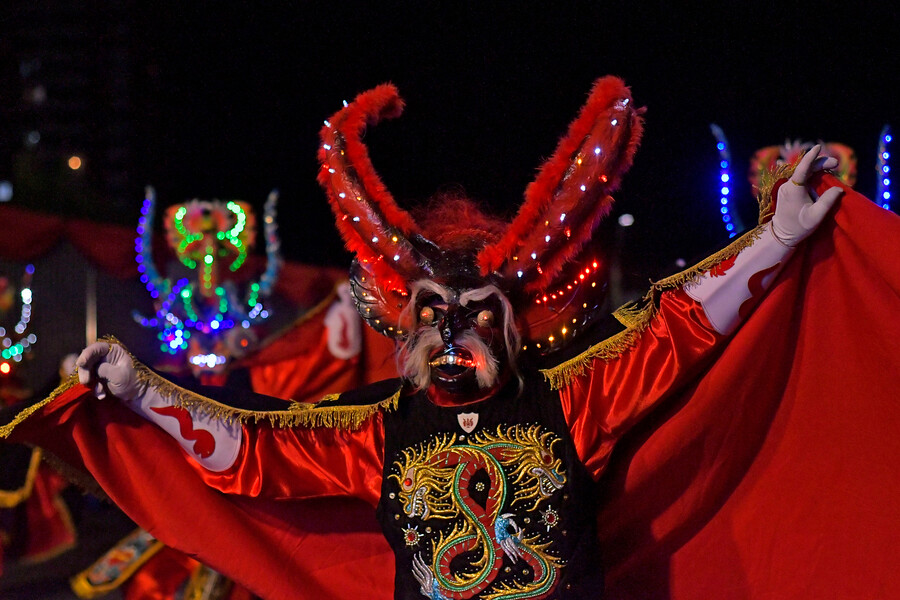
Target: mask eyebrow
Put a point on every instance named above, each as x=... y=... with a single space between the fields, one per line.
x=480 y=294
x=426 y=285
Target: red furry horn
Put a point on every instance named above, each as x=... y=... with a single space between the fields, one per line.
x=369 y=220
x=571 y=192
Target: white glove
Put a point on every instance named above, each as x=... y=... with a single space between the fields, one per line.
x=796 y=215
x=109 y=369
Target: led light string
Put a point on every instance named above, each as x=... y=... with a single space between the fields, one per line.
x=884 y=168
x=179 y=312
x=731 y=220
x=13 y=346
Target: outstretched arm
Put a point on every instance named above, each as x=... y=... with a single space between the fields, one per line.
x=109 y=369
x=612 y=386
x=728 y=293
x=272 y=454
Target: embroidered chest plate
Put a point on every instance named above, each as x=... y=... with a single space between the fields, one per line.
x=477 y=513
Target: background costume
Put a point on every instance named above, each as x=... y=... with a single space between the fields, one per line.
x=678 y=517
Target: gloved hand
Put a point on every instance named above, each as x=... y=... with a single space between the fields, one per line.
x=109 y=369
x=796 y=215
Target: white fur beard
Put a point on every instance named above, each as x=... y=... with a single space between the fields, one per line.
x=416 y=354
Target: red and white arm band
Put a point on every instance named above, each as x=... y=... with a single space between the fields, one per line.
x=730 y=291
x=211 y=441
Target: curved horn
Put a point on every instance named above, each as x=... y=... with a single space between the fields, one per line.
x=571 y=192
x=373 y=227
x=369 y=220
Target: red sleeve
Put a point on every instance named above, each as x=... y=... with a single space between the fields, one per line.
x=328 y=548
x=602 y=404
x=303 y=463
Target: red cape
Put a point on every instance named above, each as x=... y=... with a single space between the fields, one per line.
x=772 y=476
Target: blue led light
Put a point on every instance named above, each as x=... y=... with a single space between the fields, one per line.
x=730 y=220
x=884 y=182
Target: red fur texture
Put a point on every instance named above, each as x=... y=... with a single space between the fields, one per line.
x=455 y=222
x=562 y=207
x=373 y=226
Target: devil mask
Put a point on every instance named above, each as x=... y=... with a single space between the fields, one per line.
x=460 y=289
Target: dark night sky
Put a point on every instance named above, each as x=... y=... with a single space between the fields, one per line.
x=235 y=95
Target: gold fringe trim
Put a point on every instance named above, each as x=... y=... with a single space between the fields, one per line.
x=68 y=382
x=562 y=374
x=341 y=417
x=297 y=414
x=10 y=498
x=83 y=588
x=636 y=316
x=70 y=473
x=767 y=182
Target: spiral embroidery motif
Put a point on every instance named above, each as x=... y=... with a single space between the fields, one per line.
x=480 y=494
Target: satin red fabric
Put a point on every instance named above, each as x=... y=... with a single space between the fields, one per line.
x=326 y=548
x=604 y=403
x=299 y=366
x=160 y=577
x=773 y=474
x=770 y=474
x=165 y=575
x=299 y=463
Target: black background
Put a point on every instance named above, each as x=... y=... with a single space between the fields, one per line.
x=228 y=98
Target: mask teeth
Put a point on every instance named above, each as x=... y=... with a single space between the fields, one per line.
x=452 y=359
